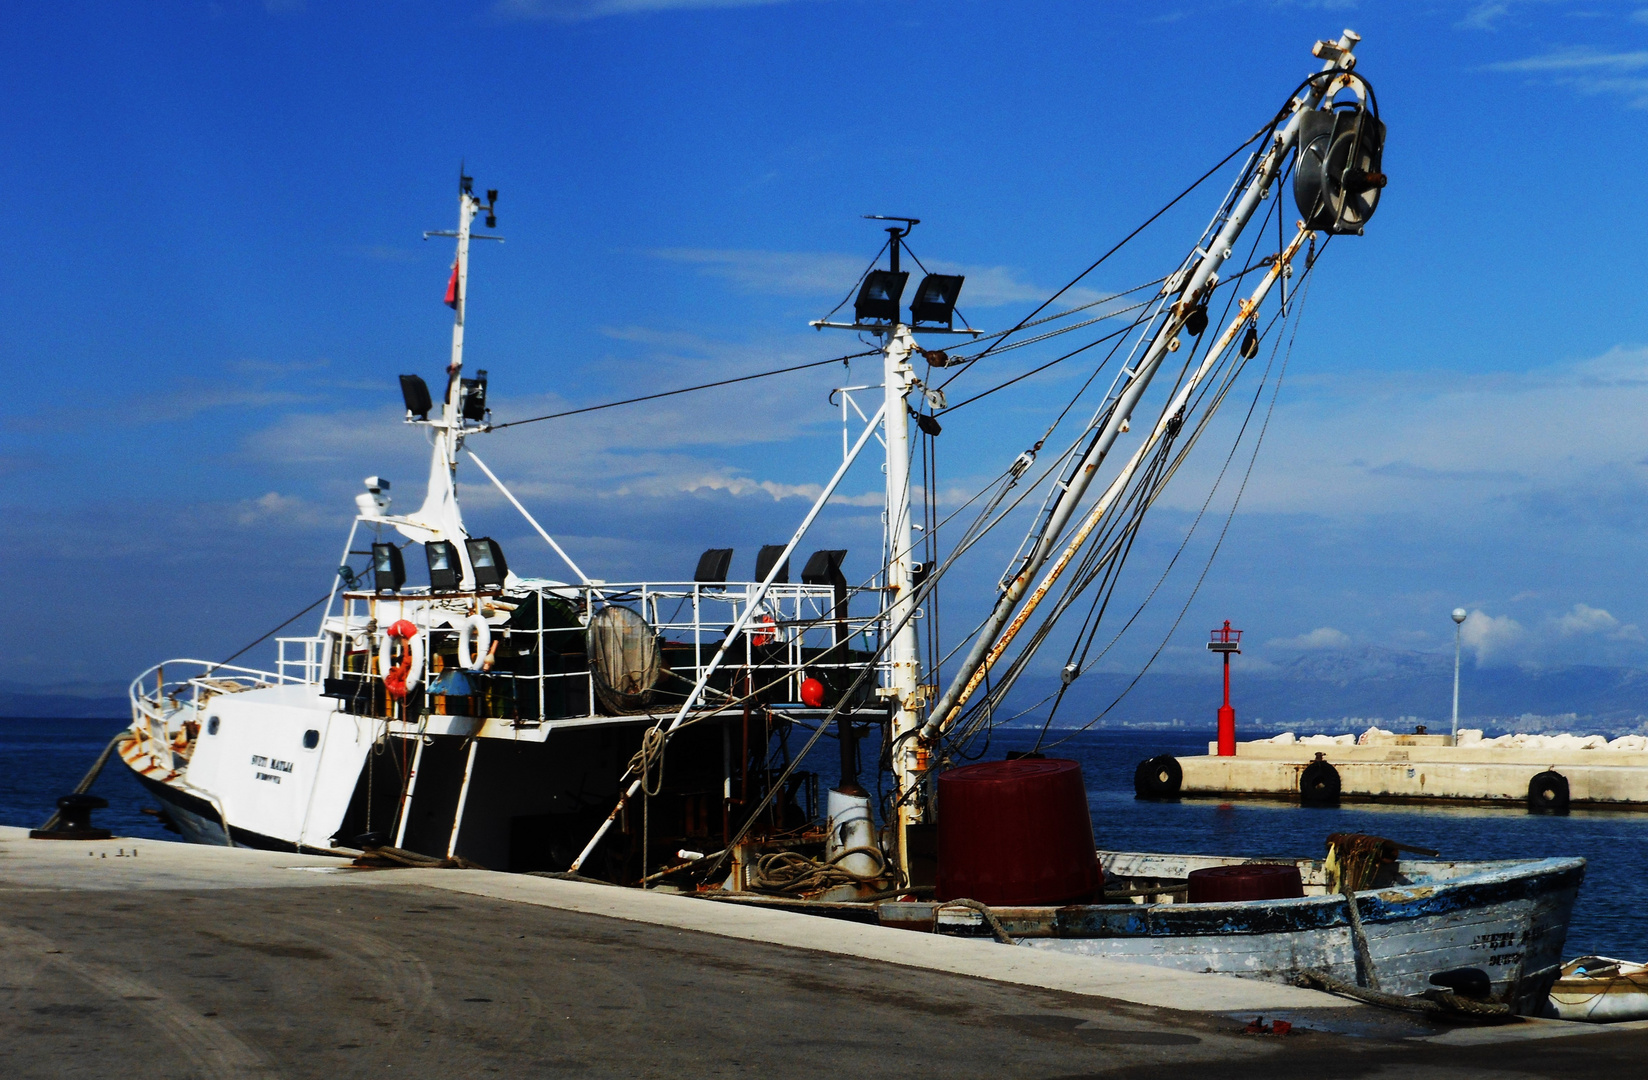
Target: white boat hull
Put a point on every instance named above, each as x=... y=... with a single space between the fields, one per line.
x=1616 y=993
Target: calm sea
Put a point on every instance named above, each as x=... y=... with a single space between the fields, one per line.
x=41 y=759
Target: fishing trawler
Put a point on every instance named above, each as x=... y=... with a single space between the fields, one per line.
x=643 y=733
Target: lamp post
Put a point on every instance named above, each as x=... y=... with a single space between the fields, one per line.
x=1458 y=624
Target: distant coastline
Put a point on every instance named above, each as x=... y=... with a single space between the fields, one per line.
x=1350 y=690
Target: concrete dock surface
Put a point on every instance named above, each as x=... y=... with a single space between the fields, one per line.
x=140 y=958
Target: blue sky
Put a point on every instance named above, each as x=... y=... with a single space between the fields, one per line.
x=215 y=274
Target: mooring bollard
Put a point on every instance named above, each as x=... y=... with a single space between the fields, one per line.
x=74 y=820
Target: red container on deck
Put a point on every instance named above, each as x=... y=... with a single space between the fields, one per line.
x=1016 y=832
x=1261 y=881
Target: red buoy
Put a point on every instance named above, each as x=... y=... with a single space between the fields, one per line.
x=1016 y=832
x=812 y=693
x=1260 y=881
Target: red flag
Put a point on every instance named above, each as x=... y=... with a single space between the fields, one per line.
x=452 y=288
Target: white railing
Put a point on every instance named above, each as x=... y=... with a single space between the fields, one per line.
x=308 y=666
x=797 y=633
x=161 y=702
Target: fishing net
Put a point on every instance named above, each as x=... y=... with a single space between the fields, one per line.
x=624 y=659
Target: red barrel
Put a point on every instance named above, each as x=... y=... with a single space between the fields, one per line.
x=1260 y=881
x=1016 y=832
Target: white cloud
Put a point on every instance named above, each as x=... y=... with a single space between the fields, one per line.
x=288 y=511
x=830 y=274
x=1589 y=72
x=1577 y=59
x=192 y=400
x=1492 y=637
x=1448 y=447
x=1483 y=16
x=580 y=10
x=734 y=484
x=786 y=273
x=1584 y=619
x=1323 y=637
x=1486 y=14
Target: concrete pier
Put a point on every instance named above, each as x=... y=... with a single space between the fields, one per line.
x=1424 y=768
x=138 y=958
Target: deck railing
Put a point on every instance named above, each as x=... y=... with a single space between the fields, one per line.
x=799 y=632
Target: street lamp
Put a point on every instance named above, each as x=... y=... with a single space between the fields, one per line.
x=1458 y=621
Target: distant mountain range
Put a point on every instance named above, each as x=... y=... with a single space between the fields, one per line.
x=1338 y=690
x=1349 y=689
x=79 y=701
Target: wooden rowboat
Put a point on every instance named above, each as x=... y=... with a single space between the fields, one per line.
x=1601 y=990
x=1498 y=924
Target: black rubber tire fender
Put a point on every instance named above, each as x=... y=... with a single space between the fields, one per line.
x=1548 y=793
x=1160 y=777
x=1319 y=784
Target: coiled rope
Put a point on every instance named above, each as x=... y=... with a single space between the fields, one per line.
x=793 y=872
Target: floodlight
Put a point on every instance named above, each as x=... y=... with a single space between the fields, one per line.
x=415 y=392
x=486 y=558
x=879 y=297
x=935 y=300
x=824 y=568
x=388 y=569
x=472 y=397
x=445 y=571
x=764 y=561
x=713 y=566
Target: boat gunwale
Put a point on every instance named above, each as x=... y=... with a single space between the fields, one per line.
x=1499 y=882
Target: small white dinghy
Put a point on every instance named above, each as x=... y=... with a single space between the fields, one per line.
x=1601 y=990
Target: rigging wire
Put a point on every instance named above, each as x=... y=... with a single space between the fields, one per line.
x=684 y=390
x=875 y=259
x=1114 y=538
x=1119 y=529
x=270 y=634
x=908 y=250
x=1304 y=293
x=1124 y=240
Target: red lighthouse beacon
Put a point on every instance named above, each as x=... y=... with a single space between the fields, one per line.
x=1227 y=641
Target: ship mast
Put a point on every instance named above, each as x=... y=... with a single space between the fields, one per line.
x=440 y=508
x=904 y=690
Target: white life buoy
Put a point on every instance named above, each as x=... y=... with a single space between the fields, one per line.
x=474 y=642
x=386 y=657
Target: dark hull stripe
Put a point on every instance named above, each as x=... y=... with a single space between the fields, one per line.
x=198 y=819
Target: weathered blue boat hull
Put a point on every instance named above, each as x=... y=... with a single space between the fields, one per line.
x=1509 y=919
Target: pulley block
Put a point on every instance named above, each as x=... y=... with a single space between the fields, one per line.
x=1337 y=177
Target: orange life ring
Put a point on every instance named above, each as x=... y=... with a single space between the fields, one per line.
x=399 y=679
x=765 y=630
